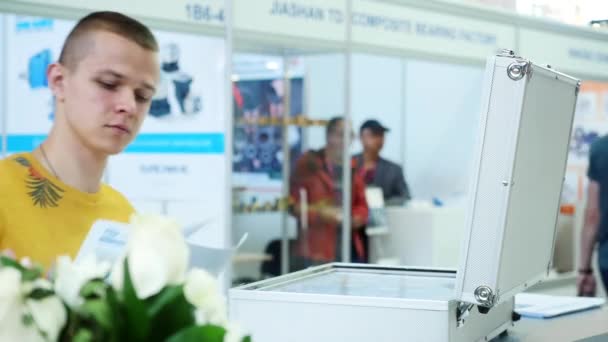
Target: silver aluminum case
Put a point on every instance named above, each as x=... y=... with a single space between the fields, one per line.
x=525 y=130
x=526 y=120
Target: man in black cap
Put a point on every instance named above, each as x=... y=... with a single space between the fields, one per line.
x=377 y=171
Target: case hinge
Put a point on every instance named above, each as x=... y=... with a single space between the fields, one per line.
x=462 y=312
x=506 y=53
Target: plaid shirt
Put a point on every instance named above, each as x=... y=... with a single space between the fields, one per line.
x=313 y=175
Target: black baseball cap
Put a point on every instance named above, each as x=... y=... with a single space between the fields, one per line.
x=375 y=126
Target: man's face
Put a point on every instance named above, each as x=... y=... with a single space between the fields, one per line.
x=372 y=141
x=335 y=139
x=106 y=96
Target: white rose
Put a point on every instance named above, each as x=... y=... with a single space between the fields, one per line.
x=13 y=309
x=49 y=315
x=202 y=290
x=39 y=283
x=157 y=255
x=214 y=312
x=200 y=286
x=10 y=305
x=71 y=276
x=234 y=333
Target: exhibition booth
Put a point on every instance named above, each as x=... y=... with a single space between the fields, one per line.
x=248 y=86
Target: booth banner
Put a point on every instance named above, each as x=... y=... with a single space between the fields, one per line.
x=314 y=19
x=203 y=12
x=33 y=43
x=590 y=123
x=170 y=177
x=392 y=26
x=258 y=158
x=567 y=53
x=181 y=144
x=190 y=92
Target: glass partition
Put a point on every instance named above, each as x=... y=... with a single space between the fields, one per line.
x=286 y=184
x=417 y=125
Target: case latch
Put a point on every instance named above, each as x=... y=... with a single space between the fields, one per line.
x=485 y=296
x=517 y=70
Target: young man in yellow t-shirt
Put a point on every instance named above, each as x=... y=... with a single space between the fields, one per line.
x=103 y=84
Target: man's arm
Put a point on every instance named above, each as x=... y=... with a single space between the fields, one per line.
x=317 y=212
x=400 y=192
x=586 y=280
x=591 y=224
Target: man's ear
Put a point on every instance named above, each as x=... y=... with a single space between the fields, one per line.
x=55 y=74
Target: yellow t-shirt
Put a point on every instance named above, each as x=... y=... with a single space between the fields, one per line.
x=42 y=217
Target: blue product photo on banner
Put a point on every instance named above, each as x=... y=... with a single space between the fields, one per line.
x=258 y=134
x=37 y=69
x=182 y=89
x=174 y=85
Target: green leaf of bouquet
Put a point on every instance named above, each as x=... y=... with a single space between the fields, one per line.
x=27 y=319
x=206 y=333
x=10 y=262
x=137 y=322
x=38 y=293
x=99 y=310
x=170 y=311
x=83 y=335
x=246 y=339
x=167 y=296
x=115 y=306
x=27 y=273
x=31 y=274
x=94 y=289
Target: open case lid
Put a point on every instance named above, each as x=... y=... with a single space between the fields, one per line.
x=525 y=127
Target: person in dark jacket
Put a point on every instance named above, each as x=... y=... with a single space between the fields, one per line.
x=377 y=171
x=594 y=235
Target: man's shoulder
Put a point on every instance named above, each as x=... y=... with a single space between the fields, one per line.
x=14 y=159
x=309 y=163
x=390 y=165
x=14 y=170
x=14 y=166
x=115 y=198
x=600 y=145
x=310 y=156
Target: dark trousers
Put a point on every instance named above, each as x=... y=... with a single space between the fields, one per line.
x=604 y=275
x=353 y=251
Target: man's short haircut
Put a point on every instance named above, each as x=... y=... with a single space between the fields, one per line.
x=77 y=44
x=332 y=124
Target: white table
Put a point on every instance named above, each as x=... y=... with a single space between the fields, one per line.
x=566 y=328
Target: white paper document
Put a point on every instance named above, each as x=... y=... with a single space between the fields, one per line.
x=545 y=306
x=108 y=241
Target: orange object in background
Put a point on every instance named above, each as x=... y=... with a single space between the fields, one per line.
x=563 y=254
x=567 y=209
